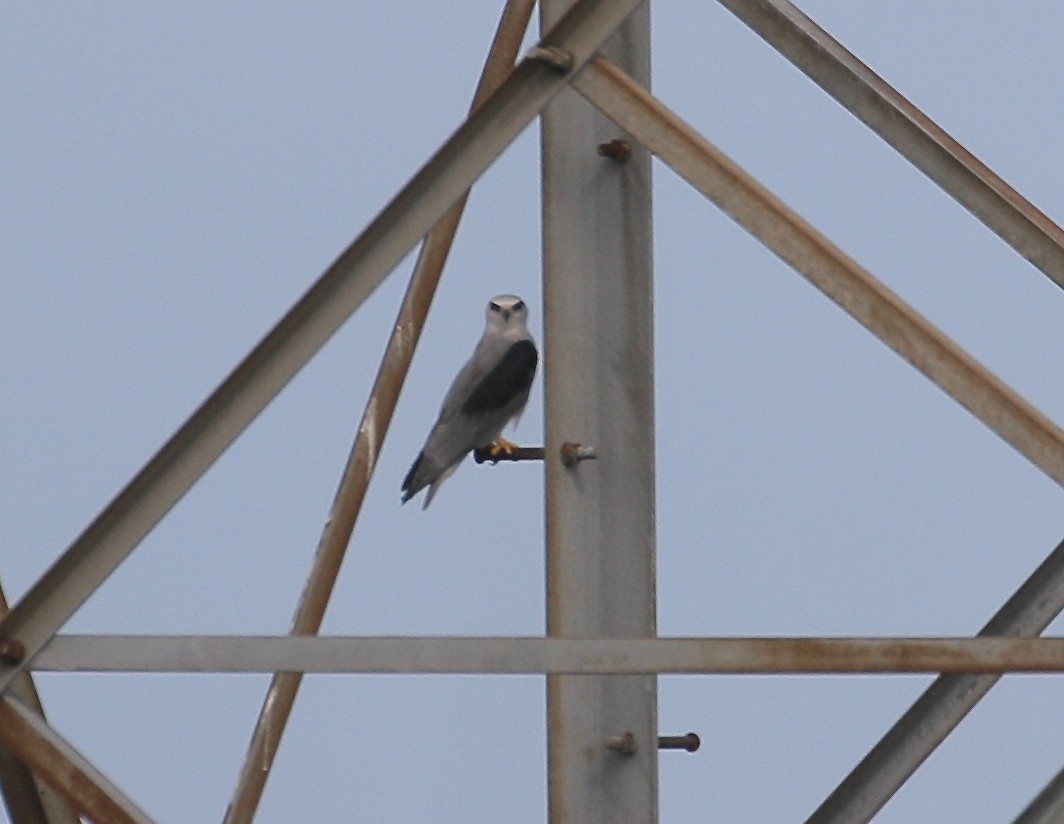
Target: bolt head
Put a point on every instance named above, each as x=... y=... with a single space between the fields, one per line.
x=12 y=651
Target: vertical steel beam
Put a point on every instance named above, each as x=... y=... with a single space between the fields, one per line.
x=1041 y=598
x=599 y=392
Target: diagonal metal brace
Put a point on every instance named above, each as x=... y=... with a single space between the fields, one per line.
x=230 y=409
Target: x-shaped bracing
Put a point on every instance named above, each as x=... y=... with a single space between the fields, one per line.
x=564 y=56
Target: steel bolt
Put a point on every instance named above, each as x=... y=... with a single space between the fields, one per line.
x=625 y=744
x=573 y=453
x=558 y=59
x=617 y=149
x=12 y=651
x=690 y=742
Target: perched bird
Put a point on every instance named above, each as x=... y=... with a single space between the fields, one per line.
x=490 y=391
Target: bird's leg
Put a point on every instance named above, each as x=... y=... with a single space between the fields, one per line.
x=502 y=447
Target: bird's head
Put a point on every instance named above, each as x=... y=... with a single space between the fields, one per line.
x=506 y=312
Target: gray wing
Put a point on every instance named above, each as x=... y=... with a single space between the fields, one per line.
x=489 y=353
x=490 y=389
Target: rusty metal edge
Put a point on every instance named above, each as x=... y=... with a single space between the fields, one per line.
x=115 y=533
x=549 y=655
x=28 y=799
x=376 y=420
x=823 y=264
x=908 y=130
x=64 y=769
x=943 y=705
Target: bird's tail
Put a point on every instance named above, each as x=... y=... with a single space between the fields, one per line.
x=414 y=481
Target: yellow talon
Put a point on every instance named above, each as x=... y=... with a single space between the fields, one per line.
x=502 y=447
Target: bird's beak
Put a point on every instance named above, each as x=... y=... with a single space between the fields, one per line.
x=505 y=314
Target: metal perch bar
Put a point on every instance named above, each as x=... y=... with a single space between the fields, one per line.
x=484 y=454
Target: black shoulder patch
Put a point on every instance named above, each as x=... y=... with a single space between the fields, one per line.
x=511 y=377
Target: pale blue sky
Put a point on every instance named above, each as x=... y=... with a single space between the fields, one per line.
x=175 y=175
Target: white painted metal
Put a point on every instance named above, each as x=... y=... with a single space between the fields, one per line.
x=600 y=514
x=522 y=656
x=598 y=320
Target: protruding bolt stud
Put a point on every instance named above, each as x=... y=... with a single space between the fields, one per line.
x=617 y=149
x=559 y=60
x=484 y=454
x=573 y=453
x=624 y=744
x=12 y=651
x=690 y=742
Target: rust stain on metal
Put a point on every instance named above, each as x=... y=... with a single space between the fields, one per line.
x=573 y=453
x=904 y=655
x=376 y=421
x=59 y=772
x=625 y=743
x=616 y=149
x=12 y=651
x=558 y=60
x=838 y=276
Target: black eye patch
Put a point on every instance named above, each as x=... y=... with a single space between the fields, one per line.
x=519 y=306
x=495 y=307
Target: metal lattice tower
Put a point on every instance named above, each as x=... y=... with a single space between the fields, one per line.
x=589 y=78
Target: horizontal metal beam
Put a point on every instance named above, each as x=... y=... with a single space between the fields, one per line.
x=912 y=133
x=114 y=534
x=569 y=656
x=40 y=748
x=826 y=266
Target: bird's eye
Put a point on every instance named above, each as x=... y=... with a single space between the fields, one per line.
x=519 y=306
x=494 y=307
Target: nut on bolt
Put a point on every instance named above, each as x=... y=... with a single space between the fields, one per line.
x=617 y=149
x=559 y=60
x=625 y=743
x=12 y=651
x=573 y=453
